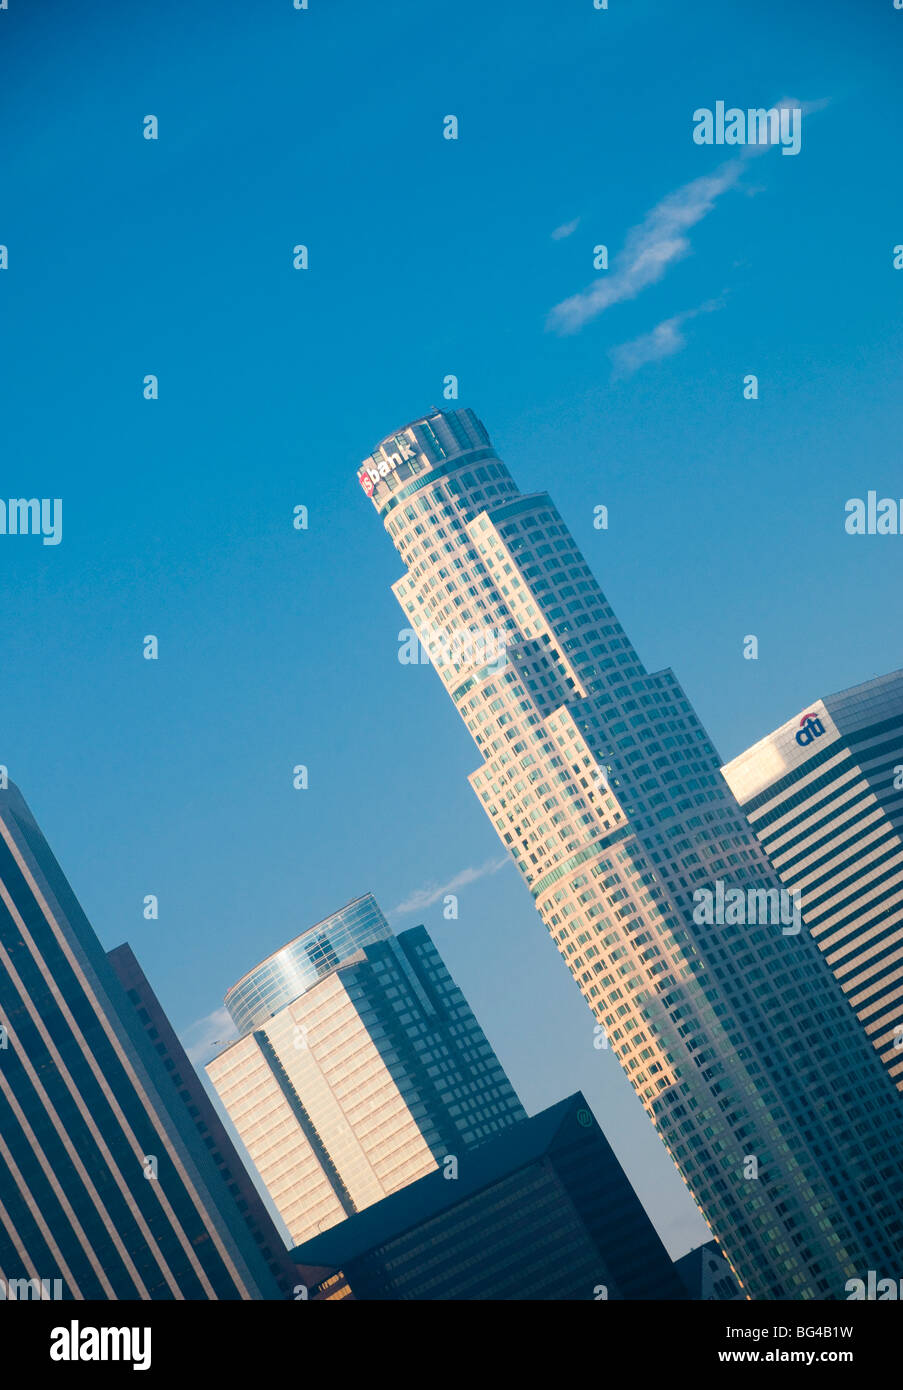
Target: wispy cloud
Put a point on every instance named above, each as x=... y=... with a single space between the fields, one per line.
x=201 y=1037
x=650 y=248
x=566 y=229
x=425 y=897
x=660 y=240
x=664 y=340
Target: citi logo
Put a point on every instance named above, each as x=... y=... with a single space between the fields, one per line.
x=76 y=1343
x=810 y=727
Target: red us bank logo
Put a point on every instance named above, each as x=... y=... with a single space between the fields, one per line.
x=366 y=483
x=810 y=727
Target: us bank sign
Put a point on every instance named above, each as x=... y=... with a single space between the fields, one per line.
x=380 y=466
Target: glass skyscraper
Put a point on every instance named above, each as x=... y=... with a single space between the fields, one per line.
x=824 y=796
x=105 y=1183
x=358 y=1074
x=599 y=778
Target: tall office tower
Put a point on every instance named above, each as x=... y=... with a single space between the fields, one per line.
x=359 y=1069
x=601 y=781
x=824 y=796
x=105 y=1184
x=190 y=1092
x=543 y=1211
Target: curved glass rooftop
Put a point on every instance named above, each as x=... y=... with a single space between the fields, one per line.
x=290 y=971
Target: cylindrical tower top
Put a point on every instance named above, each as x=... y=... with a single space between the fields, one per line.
x=294 y=968
x=419 y=448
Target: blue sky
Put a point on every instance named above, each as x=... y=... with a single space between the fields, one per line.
x=427 y=257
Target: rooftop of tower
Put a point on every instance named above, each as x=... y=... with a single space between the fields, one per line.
x=431 y=414
x=284 y=975
x=317 y=926
x=426 y=441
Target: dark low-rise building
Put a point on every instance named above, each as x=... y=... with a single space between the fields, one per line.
x=544 y=1211
x=708 y=1276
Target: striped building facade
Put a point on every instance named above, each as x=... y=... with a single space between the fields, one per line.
x=105 y=1184
x=824 y=795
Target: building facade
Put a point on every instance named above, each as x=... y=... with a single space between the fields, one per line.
x=189 y=1090
x=288 y=972
x=707 y=1275
x=105 y=1183
x=366 y=1080
x=599 y=778
x=544 y=1211
x=824 y=797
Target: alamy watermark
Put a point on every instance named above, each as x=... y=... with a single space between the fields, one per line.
x=84 y=1343
x=28 y=1289
x=774 y=125
x=873 y=1288
x=873 y=516
x=483 y=647
x=753 y=906
x=31 y=516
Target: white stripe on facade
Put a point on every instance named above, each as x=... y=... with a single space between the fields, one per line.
x=178 y=1230
x=774 y=832
x=83 y=1110
x=16 y=1239
x=842 y=853
x=35 y=1211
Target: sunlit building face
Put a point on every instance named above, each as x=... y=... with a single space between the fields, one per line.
x=360 y=1069
x=598 y=777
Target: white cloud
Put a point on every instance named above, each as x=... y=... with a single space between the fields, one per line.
x=659 y=240
x=425 y=897
x=650 y=248
x=200 y=1037
x=664 y=340
x=566 y=229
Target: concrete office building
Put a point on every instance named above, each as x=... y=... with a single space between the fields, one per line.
x=599 y=778
x=824 y=796
x=105 y=1184
x=544 y=1211
x=359 y=1069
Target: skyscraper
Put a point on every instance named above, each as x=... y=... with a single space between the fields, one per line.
x=359 y=1069
x=105 y=1184
x=599 y=778
x=543 y=1211
x=824 y=796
